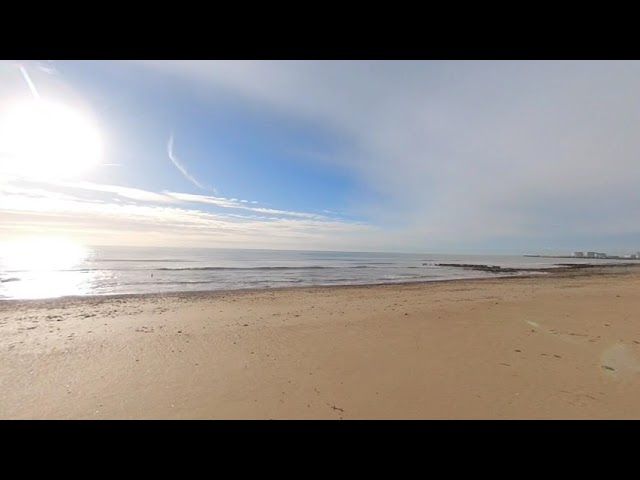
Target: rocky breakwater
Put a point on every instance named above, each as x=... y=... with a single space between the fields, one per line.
x=498 y=269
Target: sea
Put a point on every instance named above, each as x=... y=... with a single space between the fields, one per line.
x=56 y=270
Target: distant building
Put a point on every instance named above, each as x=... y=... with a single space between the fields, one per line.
x=601 y=255
x=578 y=254
x=591 y=254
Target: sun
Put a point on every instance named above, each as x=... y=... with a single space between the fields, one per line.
x=47 y=140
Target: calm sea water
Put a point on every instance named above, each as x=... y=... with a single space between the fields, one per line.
x=45 y=271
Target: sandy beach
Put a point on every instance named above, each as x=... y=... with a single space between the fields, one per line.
x=557 y=346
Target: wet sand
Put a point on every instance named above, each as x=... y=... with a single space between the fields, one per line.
x=556 y=346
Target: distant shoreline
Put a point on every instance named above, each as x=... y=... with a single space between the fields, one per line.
x=612 y=257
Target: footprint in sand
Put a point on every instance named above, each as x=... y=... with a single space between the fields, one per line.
x=571 y=337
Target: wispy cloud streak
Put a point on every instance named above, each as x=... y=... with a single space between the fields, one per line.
x=178 y=164
x=27 y=78
x=238 y=204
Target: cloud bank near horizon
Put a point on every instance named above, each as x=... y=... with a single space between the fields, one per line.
x=109 y=214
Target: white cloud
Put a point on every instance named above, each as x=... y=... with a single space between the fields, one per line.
x=26 y=209
x=238 y=204
x=190 y=197
x=126 y=192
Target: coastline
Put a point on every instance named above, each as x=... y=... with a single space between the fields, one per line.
x=563 y=270
x=559 y=345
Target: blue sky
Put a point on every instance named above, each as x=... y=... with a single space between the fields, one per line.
x=473 y=157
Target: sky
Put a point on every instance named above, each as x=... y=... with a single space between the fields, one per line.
x=508 y=157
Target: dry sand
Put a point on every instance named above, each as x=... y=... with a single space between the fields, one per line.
x=558 y=346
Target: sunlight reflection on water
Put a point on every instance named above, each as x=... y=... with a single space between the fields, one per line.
x=43 y=268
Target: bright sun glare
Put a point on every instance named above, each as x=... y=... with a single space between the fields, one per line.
x=41 y=254
x=48 y=140
x=43 y=267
